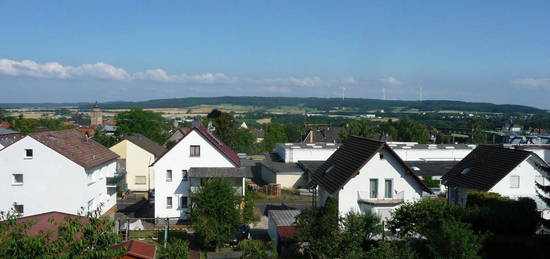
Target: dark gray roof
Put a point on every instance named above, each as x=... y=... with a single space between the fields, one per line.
x=484 y=167
x=147 y=144
x=310 y=166
x=283 y=217
x=278 y=166
x=8 y=139
x=431 y=168
x=346 y=162
x=7 y=131
x=208 y=172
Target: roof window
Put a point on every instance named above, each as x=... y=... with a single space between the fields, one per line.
x=465 y=171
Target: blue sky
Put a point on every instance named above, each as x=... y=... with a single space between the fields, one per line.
x=494 y=51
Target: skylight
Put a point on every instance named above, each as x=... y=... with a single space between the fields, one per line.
x=465 y=171
x=329 y=169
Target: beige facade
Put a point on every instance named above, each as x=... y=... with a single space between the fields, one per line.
x=139 y=176
x=96 y=117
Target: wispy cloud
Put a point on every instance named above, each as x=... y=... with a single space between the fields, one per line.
x=348 y=80
x=532 y=83
x=55 y=70
x=391 y=81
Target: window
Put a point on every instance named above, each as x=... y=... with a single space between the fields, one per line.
x=168 y=175
x=168 y=202
x=195 y=151
x=184 y=175
x=374 y=188
x=17 y=179
x=141 y=180
x=19 y=208
x=28 y=153
x=388 y=191
x=183 y=203
x=514 y=181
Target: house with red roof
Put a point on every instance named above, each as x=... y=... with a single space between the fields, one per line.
x=61 y=171
x=180 y=171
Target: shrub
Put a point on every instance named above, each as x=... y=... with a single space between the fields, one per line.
x=454 y=239
x=392 y=250
x=178 y=248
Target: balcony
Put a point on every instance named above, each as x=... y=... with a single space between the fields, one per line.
x=116 y=180
x=397 y=198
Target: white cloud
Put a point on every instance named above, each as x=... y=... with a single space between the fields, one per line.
x=276 y=89
x=348 y=80
x=534 y=83
x=55 y=70
x=391 y=81
x=160 y=75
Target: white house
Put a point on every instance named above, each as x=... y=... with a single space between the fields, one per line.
x=294 y=152
x=136 y=153
x=431 y=152
x=367 y=175
x=180 y=171
x=509 y=172
x=57 y=171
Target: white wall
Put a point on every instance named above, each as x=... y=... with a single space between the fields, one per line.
x=178 y=159
x=433 y=154
x=381 y=169
x=51 y=182
x=293 y=155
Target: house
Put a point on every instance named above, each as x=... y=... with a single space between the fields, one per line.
x=282 y=229
x=322 y=134
x=365 y=175
x=275 y=171
x=62 y=170
x=180 y=171
x=411 y=151
x=136 y=154
x=508 y=172
x=294 y=152
x=259 y=133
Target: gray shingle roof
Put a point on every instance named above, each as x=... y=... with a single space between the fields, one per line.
x=208 y=172
x=484 y=167
x=431 y=168
x=346 y=162
x=8 y=139
x=147 y=144
x=283 y=217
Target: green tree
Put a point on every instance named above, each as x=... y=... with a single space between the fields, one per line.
x=24 y=125
x=362 y=128
x=293 y=131
x=249 y=207
x=407 y=129
x=178 y=248
x=318 y=228
x=478 y=127
x=104 y=139
x=147 y=123
x=256 y=249
x=215 y=215
x=358 y=230
x=275 y=133
x=454 y=239
x=392 y=250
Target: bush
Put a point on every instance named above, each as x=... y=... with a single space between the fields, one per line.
x=454 y=239
x=392 y=250
x=256 y=249
x=178 y=248
x=485 y=213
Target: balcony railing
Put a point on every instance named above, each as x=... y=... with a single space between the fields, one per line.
x=396 y=198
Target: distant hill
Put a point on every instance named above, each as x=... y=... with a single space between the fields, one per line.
x=324 y=104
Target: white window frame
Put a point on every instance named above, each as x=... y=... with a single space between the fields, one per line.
x=513 y=184
x=144 y=182
x=169 y=202
x=169 y=173
x=27 y=153
x=14 y=182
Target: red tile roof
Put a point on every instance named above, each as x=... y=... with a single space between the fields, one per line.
x=286 y=233
x=76 y=147
x=42 y=222
x=4 y=125
x=215 y=141
x=138 y=249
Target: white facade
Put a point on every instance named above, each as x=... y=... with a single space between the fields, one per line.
x=420 y=152
x=520 y=182
x=51 y=182
x=294 y=152
x=178 y=160
x=356 y=193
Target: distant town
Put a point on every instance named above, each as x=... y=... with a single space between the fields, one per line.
x=234 y=181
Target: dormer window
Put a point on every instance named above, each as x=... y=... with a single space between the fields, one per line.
x=28 y=153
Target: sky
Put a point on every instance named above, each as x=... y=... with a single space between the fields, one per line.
x=72 y=51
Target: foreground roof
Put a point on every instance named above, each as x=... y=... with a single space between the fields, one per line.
x=138 y=249
x=76 y=147
x=42 y=222
x=147 y=144
x=346 y=162
x=484 y=167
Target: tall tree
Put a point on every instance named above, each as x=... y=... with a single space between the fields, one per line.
x=275 y=133
x=215 y=215
x=478 y=126
x=147 y=123
x=318 y=227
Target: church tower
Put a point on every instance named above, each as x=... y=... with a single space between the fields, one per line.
x=96 y=117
